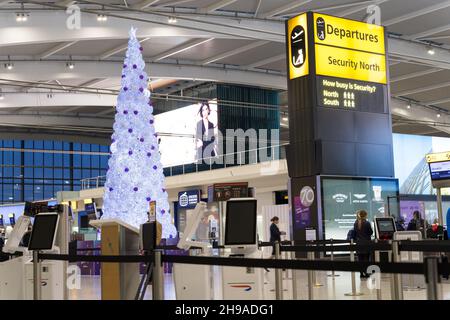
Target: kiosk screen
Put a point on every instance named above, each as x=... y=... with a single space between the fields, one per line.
x=386 y=226
x=44 y=230
x=240 y=223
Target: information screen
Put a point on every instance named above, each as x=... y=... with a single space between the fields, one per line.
x=440 y=170
x=386 y=225
x=342 y=198
x=350 y=94
x=240 y=223
x=43 y=233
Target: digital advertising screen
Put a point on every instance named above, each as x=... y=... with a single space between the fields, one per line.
x=411 y=167
x=440 y=170
x=188 y=134
x=343 y=197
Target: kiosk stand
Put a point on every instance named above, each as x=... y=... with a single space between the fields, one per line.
x=42 y=238
x=119 y=280
x=241 y=283
x=193 y=282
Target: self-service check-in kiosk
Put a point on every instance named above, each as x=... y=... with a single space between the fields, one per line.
x=242 y=283
x=193 y=282
x=16 y=274
x=384 y=228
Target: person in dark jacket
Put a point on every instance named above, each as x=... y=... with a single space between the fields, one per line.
x=416 y=223
x=275 y=233
x=363 y=235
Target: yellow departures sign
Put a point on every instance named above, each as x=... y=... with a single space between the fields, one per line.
x=298 y=46
x=348 y=34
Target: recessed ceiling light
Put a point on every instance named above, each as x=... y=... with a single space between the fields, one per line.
x=21 y=16
x=102 y=18
x=285 y=118
x=408 y=106
x=172 y=20
x=70 y=65
x=438 y=115
x=431 y=51
x=9 y=66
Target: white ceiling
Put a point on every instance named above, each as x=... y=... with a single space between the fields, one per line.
x=240 y=41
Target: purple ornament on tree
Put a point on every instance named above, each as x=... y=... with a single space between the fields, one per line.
x=155 y=167
x=125 y=111
x=149 y=154
x=163 y=211
x=124 y=65
x=134 y=66
x=123 y=76
x=111 y=189
x=148 y=199
x=153 y=147
x=151 y=121
x=136 y=112
x=130 y=152
x=141 y=139
x=141 y=49
x=141 y=77
x=125 y=88
x=126 y=169
x=135 y=189
x=130 y=130
x=141 y=89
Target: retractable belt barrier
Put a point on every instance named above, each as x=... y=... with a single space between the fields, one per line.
x=346 y=266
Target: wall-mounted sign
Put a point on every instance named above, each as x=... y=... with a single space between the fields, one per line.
x=350 y=94
x=188 y=199
x=226 y=191
x=297 y=31
x=438 y=157
x=350 y=34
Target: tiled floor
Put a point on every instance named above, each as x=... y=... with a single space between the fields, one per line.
x=330 y=289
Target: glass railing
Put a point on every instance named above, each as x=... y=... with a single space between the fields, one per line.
x=228 y=160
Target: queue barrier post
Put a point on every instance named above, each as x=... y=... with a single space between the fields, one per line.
x=396 y=284
x=310 y=278
x=278 y=275
x=294 y=279
x=36 y=276
x=377 y=260
x=354 y=293
x=333 y=274
x=432 y=278
x=158 y=277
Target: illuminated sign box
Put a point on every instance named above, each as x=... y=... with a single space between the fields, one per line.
x=350 y=34
x=297 y=31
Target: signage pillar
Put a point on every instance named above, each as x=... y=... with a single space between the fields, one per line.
x=339 y=117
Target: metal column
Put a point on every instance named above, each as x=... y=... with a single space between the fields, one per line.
x=278 y=275
x=36 y=276
x=158 y=277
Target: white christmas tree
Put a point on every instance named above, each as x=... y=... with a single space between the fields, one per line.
x=135 y=176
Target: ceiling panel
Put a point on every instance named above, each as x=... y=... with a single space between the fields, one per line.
x=276 y=66
x=157 y=45
x=427 y=96
x=422 y=23
x=423 y=81
x=27 y=50
x=92 y=47
x=255 y=55
x=210 y=49
x=405 y=68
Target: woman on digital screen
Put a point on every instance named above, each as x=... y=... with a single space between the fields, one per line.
x=205 y=137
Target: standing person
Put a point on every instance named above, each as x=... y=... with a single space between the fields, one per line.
x=204 y=133
x=416 y=223
x=363 y=235
x=275 y=233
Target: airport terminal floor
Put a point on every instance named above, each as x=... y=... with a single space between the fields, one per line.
x=214 y=158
